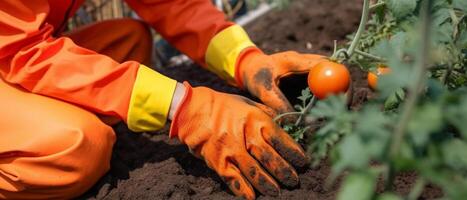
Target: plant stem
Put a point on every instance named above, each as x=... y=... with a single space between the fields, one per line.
x=361 y=27
x=419 y=77
x=305 y=110
x=455 y=23
x=337 y=53
x=413 y=90
x=335 y=47
x=358 y=35
x=368 y=55
x=417 y=189
x=377 y=5
x=286 y=114
x=390 y=176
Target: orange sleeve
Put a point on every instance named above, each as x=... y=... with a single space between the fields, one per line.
x=189 y=25
x=56 y=67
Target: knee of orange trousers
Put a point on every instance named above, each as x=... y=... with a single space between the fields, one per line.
x=120 y=39
x=62 y=163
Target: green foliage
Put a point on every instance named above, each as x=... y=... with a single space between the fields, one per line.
x=433 y=146
x=434 y=143
x=358 y=185
x=388 y=196
x=433 y=136
x=305 y=97
x=390 y=33
x=460 y=4
x=334 y=110
x=394 y=99
x=401 y=8
x=456 y=114
x=298 y=132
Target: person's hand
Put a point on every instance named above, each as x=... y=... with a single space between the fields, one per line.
x=260 y=74
x=238 y=139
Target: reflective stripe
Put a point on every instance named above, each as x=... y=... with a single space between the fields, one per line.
x=224 y=49
x=150 y=100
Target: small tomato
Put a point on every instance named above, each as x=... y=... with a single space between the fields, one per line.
x=328 y=78
x=373 y=78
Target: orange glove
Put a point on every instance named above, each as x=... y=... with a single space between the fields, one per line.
x=260 y=74
x=237 y=138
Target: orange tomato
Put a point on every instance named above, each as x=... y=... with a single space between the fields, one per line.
x=328 y=78
x=373 y=78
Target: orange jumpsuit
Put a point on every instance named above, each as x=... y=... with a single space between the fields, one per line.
x=52 y=85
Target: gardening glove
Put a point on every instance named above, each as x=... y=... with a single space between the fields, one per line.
x=238 y=139
x=260 y=74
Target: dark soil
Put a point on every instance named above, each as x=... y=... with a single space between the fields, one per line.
x=151 y=166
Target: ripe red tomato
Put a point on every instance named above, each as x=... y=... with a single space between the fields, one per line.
x=373 y=78
x=328 y=78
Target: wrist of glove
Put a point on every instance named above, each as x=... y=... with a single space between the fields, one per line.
x=238 y=139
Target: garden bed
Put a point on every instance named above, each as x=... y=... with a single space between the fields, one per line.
x=151 y=166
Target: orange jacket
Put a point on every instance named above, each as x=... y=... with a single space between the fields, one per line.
x=33 y=57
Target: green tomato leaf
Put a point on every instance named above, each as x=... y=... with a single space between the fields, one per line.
x=440 y=4
x=451 y=182
x=353 y=154
x=374 y=122
x=440 y=16
x=380 y=13
x=426 y=120
x=455 y=154
x=388 y=196
x=460 y=4
x=359 y=185
x=457 y=115
x=306 y=94
x=331 y=107
x=373 y=130
x=394 y=50
x=401 y=8
x=462 y=39
x=435 y=89
x=443 y=33
x=397 y=43
x=393 y=101
x=405 y=160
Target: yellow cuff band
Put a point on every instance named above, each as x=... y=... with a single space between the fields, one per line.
x=150 y=100
x=224 y=49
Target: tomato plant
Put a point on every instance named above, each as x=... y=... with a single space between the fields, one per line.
x=417 y=122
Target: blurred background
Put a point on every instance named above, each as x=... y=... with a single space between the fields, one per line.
x=240 y=11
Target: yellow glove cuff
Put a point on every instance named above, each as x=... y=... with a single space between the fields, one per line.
x=150 y=100
x=224 y=49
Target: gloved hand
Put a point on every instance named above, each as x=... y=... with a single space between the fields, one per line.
x=238 y=139
x=260 y=74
